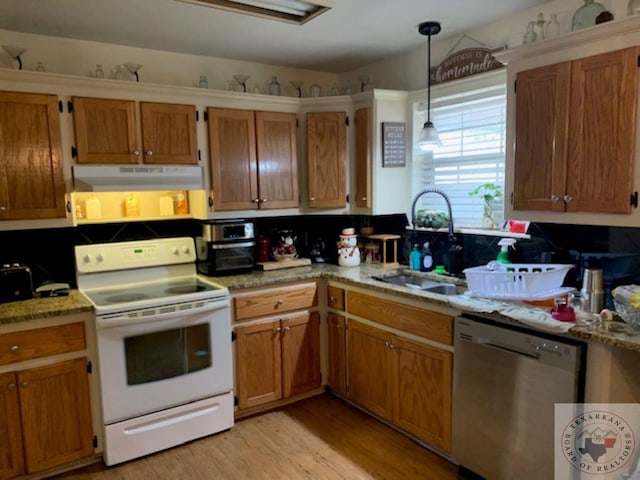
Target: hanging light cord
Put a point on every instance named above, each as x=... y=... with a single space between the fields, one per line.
x=429 y=78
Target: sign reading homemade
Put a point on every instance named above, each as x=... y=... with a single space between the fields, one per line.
x=464 y=63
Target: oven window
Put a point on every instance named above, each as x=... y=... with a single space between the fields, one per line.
x=170 y=353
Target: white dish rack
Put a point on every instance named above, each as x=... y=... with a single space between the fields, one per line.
x=518 y=281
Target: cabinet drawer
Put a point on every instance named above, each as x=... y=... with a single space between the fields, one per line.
x=335 y=297
x=41 y=342
x=275 y=300
x=424 y=323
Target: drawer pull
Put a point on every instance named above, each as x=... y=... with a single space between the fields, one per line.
x=24 y=384
x=332 y=299
x=15 y=348
x=286 y=329
x=280 y=302
x=11 y=386
x=278 y=329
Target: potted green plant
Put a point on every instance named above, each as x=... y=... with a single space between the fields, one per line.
x=489 y=192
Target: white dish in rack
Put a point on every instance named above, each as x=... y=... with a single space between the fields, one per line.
x=549 y=294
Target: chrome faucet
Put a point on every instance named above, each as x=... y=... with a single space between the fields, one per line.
x=455 y=250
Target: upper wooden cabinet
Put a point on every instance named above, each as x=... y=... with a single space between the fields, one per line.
x=169 y=133
x=31 y=174
x=326 y=159
x=575 y=134
x=105 y=132
x=253 y=159
x=363 y=158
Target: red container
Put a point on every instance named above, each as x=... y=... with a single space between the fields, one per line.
x=264 y=249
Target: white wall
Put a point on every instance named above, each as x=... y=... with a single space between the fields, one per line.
x=408 y=71
x=403 y=72
x=79 y=57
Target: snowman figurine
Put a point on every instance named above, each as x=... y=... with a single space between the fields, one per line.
x=348 y=251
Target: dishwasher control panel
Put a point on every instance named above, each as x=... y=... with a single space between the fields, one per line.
x=551 y=351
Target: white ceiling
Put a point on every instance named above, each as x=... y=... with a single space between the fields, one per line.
x=353 y=34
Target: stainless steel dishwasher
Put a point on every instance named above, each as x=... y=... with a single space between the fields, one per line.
x=505 y=384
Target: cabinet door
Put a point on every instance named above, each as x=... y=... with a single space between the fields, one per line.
x=169 y=133
x=604 y=97
x=542 y=116
x=258 y=364
x=56 y=414
x=277 y=160
x=301 y=371
x=11 y=459
x=424 y=382
x=105 y=130
x=337 y=346
x=233 y=166
x=370 y=382
x=31 y=175
x=363 y=158
x=326 y=158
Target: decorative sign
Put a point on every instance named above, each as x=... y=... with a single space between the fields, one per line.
x=464 y=63
x=394 y=153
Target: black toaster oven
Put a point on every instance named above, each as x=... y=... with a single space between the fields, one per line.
x=15 y=283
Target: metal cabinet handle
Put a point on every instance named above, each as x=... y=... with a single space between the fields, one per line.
x=392 y=346
x=278 y=329
x=256 y=200
x=263 y=200
x=11 y=386
x=286 y=329
x=312 y=199
x=14 y=348
x=555 y=198
x=386 y=344
x=24 y=384
x=567 y=198
x=364 y=199
x=136 y=153
x=2 y=209
x=332 y=299
x=338 y=326
x=280 y=302
x=149 y=153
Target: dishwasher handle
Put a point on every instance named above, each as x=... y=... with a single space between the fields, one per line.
x=487 y=342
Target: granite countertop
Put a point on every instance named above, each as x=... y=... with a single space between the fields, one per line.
x=612 y=333
x=36 y=308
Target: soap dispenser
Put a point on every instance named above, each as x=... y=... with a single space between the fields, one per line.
x=414 y=258
x=426 y=259
x=503 y=254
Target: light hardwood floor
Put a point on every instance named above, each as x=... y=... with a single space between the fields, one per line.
x=318 y=438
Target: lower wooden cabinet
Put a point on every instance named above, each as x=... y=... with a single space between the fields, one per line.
x=402 y=381
x=45 y=417
x=337 y=353
x=277 y=359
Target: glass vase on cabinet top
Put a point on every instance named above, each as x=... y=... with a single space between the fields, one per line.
x=585 y=16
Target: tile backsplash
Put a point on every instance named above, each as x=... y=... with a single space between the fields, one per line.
x=615 y=249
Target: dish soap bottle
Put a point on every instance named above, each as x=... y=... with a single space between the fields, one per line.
x=503 y=254
x=414 y=258
x=426 y=260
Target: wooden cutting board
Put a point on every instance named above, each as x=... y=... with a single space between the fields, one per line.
x=297 y=262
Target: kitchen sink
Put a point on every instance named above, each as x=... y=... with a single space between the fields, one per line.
x=419 y=283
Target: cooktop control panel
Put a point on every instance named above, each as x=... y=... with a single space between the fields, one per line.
x=104 y=257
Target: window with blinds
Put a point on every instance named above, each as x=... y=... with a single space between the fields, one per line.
x=470 y=116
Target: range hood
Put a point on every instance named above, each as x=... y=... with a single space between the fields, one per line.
x=119 y=178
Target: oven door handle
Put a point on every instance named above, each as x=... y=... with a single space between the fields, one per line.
x=122 y=319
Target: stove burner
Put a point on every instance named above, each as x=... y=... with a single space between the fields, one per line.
x=180 y=289
x=127 y=297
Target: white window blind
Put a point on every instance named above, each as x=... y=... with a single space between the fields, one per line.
x=471 y=120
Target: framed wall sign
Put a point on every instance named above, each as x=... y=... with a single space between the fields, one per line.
x=394 y=149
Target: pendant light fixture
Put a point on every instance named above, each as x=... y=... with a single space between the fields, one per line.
x=429 y=140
